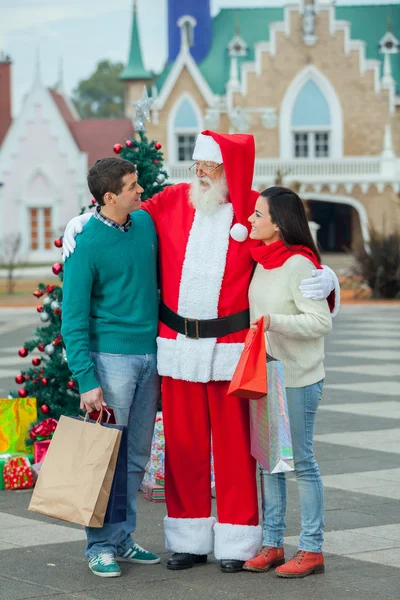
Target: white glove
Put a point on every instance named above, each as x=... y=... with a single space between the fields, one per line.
x=319 y=286
x=72 y=229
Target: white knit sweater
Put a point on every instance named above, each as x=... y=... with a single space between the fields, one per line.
x=297 y=324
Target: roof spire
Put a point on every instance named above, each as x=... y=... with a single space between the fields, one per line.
x=135 y=68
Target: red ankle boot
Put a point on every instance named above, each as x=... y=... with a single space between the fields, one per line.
x=268 y=557
x=302 y=564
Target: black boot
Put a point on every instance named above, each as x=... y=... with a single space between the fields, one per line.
x=231 y=566
x=185 y=560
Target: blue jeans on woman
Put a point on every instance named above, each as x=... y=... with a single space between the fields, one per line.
x=131 y=387
x=302 y=406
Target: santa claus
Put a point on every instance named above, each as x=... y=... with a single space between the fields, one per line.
x=205 y=268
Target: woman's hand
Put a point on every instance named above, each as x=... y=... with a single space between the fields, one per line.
x=267 y=323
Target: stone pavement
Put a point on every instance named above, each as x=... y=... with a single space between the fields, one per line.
x=358 y=450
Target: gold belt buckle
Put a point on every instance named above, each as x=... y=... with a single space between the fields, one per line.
x=186 y=329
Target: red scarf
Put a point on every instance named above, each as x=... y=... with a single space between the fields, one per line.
x=276 y=254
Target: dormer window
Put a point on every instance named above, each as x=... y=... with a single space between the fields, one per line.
x=237 y=47
x=389 y=44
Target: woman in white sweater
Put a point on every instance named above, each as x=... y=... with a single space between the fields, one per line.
x=295 y=329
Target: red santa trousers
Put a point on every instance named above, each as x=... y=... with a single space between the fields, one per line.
x=191 y=413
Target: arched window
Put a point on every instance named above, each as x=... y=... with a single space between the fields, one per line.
x=186 y=127
x=311 y=123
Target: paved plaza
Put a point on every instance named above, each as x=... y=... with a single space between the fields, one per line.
x=358 y=450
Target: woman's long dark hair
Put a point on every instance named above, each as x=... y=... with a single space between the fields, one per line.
x=288 y=213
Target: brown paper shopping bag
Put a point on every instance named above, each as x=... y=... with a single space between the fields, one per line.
x=76 y=476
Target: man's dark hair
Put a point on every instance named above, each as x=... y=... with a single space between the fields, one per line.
x=106 y=176
x=287 y=211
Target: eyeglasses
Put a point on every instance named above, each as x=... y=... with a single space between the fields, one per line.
x=198 y=166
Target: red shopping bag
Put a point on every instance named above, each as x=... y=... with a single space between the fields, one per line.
x=250 y=377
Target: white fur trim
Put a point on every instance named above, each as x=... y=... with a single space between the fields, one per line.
x=237 y=542
x=337 y=289
x=206 y=148
x=194 y=364
x=239 y=232
x=194 y=536
x=202 y=274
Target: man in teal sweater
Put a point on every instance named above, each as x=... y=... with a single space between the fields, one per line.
x=110 y=313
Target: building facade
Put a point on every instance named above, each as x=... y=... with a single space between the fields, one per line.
x=318 y=86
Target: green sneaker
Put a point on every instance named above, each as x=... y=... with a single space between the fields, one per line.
x=137 y=554
x=104 y=565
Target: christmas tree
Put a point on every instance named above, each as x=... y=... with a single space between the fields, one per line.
x=49 y=380
x=148 y=159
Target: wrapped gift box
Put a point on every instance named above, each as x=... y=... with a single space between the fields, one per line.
x=40 y=449
x=18 y=474
x=4 y=459
x=154 y=492
x=16 y=417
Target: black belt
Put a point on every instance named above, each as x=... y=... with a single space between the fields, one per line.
x=210 y=328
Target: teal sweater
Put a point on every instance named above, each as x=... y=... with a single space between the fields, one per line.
x=110 y=295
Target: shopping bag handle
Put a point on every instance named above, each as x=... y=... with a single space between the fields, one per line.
x=98 y=418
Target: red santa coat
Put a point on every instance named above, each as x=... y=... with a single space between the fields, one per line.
x=205 y=274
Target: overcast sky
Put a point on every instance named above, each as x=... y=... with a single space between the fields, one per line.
x=82 y=32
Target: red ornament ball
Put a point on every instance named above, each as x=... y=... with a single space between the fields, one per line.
x=94 y=201
x=158 y=146
x=117 y=148
x=39 y=308
x=57 y=268
x=129 y=143
x=71 y=385
x=40 y=347
x=50 y=288
x=23 y=352
x=45 y=409
x=36 y=361
x=22 y=393
x=45 y=381
x=38 y=294
x=58 y=243
x=156 y=162
x=19 y=379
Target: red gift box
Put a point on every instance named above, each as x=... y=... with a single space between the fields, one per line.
x=40 y=449
x=154 y=492
x=18 y=474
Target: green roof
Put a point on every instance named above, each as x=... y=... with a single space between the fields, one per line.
x=135 y=68
x=368 y=23
x=253 y=24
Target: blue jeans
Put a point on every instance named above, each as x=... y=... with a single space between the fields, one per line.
x=131 y=386
x=302 y=406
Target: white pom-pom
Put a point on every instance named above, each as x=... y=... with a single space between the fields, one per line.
x=239 y=232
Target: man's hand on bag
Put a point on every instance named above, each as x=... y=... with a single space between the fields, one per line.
x=267 y=323
x=92 y=400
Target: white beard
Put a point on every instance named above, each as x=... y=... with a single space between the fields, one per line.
x=207 y=200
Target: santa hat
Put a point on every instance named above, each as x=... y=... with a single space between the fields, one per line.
x=237 y=153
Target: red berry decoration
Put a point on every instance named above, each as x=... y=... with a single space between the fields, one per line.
x=45 y=381
x=40 y=347
x=50 y=288
x=129 y=143
x=38 y=294
x=32 y=435
x=58 y=243
x=39 y=308
x=117 y=148
x=45 y=409
x=22 y=393
x=36 y=361
x=71 y=385
x=23 y=352
x=57 y=268
x=156 y=162
x=19 y=379
x=26 y=377
x=158 y=146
